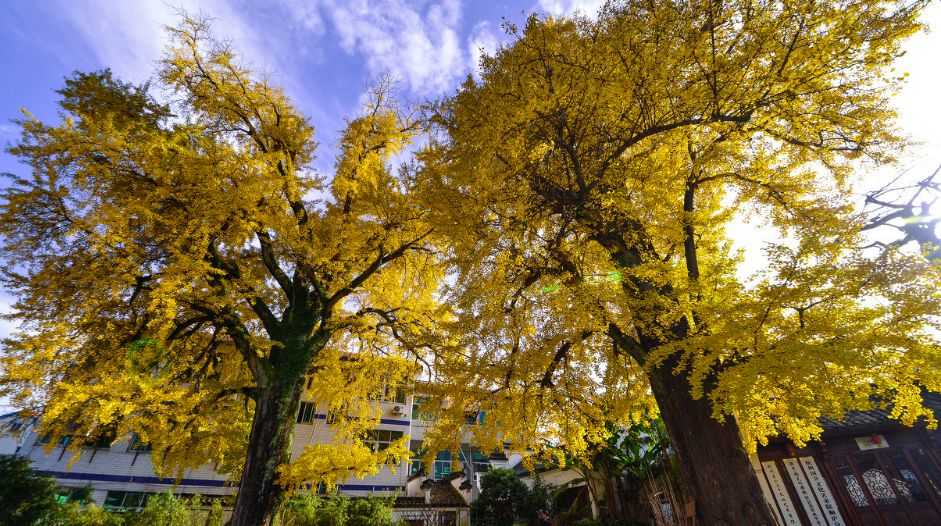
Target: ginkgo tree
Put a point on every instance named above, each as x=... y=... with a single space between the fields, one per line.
x=590 y=183
x=181 y=272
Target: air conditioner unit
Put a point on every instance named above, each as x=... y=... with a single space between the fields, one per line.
x=397 y=410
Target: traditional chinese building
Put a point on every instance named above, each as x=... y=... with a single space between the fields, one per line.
x=866 y=470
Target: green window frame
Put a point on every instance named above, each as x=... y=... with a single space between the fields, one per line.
x=305 y=414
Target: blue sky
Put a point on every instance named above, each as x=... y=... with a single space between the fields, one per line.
x=325 y=53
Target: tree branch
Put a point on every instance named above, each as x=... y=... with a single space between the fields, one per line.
x=271 y=263
x=381 y=260
x=232 y=272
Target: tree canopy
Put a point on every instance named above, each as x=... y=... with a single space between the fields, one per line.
x=181 y=271
x=589 y=183
x=25 y=497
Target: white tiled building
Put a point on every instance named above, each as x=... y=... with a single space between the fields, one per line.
x=122 y=474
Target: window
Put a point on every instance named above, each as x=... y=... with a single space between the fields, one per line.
x=481 y=461
x=420 y=410
x=440 y=469
x=63 y=440
x=851 y=483
x=80 y=495
x=417 y=466
x=126 y=500
x=448 y=518
x=104 y=438
x=136 y=444
x=394 y=394
x=207 y=500
x=380 y=439
x=876 y=480
x=305 y=414
x=442 y=465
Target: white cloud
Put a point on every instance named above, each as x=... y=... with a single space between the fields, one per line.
x=306 y=13
x=418 y=41
x=559 y=8
x=918 y=103
x=413 y=41
x=482 y=41
x=129 y=37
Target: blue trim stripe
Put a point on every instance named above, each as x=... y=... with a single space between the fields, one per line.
x=132 y=478
x=101 y=477
x=387 y=421
x=370 y=487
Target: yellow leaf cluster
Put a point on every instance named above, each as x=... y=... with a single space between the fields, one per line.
x=588 y=184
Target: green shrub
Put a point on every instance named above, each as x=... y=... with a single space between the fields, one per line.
x=311 y=510
x=26 y=498
x=91 y=515
x=505 y=500
x=214 y=515
x=369 y=512
x=162 y=509
x=300 y=511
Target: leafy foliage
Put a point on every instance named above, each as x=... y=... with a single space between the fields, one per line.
x=310 y=510
x=29 y=499
x=634 y=451
x=180 y=270
x=94 y=516
x=589 y=183
x=25 y=497
x=505 y=500
x=163 y=509
x=591 y=179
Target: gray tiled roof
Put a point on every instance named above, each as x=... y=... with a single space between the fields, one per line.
x=443 y=494
x=874 y=418
x=410 y=502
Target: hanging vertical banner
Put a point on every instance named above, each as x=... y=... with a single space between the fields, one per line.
x=788 y=513
x=820 y=488
x=804 y=493
x=765 y=490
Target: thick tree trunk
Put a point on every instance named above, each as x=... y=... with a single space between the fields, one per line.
x=269 y=446
x=714 y=464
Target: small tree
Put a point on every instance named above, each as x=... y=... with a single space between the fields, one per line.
x=299 y=510
x=504 y=499
x=25 y=497
x=370 y=512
